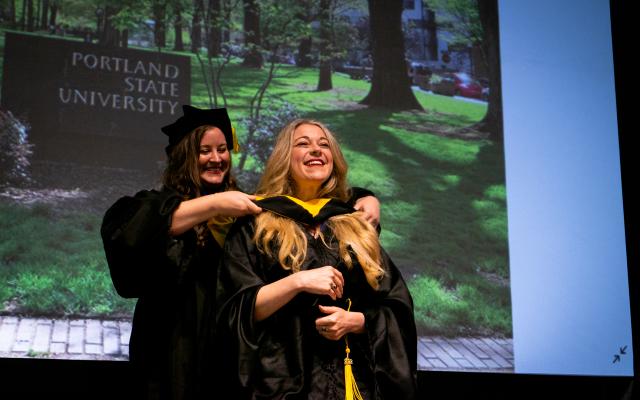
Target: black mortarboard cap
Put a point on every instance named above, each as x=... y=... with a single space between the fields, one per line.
x=194 y=117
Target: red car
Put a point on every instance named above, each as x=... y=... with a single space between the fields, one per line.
x=458 y=84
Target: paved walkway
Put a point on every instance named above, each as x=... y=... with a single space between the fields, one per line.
x=109 y=340
x=64 y=338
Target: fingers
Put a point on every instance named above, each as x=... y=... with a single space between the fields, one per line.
x=328 y=333
x=329 y=309
x=337 y=290
x=253 y=208
x=369 y=206
x=329 y=326
x=336 y=285
x=324 y=327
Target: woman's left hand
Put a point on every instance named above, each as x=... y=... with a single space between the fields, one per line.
x=370 y=206
x=338 y=322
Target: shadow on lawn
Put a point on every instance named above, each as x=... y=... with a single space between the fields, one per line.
x=446 y=237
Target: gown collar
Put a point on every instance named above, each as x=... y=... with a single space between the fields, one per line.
x=311 y=212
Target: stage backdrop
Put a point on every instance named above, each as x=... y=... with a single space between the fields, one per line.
x=412 y=89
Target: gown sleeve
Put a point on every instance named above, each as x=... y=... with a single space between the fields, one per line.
x=239 y=280
x=135 y=235
x=358 y=193
x=390 y=325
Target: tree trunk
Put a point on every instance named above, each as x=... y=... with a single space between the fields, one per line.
x=124 y=38
x=30 y=22
x=196 y=26
x=227 y=7
x=252 y=39
x=53 y=16
x=159 y=29
x=36 y=15
x=303 y=57
x=11 y=13
x=23 y=15
x=44 y=15
x=390 y=85
x=432 y=36
x=214 y=31
x=324 y=44
x=108 y=35
x=492 y=121
x=178 y=45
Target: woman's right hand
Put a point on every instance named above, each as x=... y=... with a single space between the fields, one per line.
x=324 y=281
x=227 y=204
x=234 y=204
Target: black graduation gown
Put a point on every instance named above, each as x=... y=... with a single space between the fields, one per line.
x=284 y=356
x=172 y=277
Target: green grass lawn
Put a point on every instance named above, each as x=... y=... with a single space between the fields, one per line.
x=53 y=265
x=443 y=207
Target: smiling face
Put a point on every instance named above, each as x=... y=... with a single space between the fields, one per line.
x=311 y=160
x=214 y=158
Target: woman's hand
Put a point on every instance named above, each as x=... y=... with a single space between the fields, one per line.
x=370 y=207
x=270 y=298
x=227 y=204
x=338 y=322
x=324 y=281
x=234 y=204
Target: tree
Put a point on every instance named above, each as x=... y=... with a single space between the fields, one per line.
x=196 y=26
x=30 y=16
x=252 y=38
x=108 y=34
x=214 y=31
x=492 y=121
x=53 y=15
x=324 y=44
x=44 y=14
x=9 y=12
x=390 y=85
x=307 y=13
x=474 y=23
x=281 y=33
x=178 y=44
x=159 y=9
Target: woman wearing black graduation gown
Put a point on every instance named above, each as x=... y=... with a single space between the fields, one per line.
x=163 y=247
x=305 y=276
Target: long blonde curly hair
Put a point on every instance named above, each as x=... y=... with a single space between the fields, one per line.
x=283 y=239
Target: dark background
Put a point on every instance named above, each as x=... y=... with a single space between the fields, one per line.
x=23 y=378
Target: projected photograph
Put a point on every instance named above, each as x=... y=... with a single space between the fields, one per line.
x=412 y=89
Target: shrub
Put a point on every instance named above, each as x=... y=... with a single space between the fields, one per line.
x=15 y=151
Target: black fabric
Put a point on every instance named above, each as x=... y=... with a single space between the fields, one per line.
x=284 y=356
x=172 y=279
x=358 y=193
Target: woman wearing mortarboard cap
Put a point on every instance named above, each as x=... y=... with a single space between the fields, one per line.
x=309 y=305
x=163 y=247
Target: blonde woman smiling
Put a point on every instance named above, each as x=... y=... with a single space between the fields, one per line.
x=311 y=307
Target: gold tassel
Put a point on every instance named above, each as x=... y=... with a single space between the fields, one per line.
x=236 y=146
x=351 y=391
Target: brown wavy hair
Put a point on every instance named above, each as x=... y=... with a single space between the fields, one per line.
x=283 y=239
x=182 y=172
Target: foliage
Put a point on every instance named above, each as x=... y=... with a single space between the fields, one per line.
x=460 y=18
x=266 y=129
x=15 y=151
x=442 y=311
